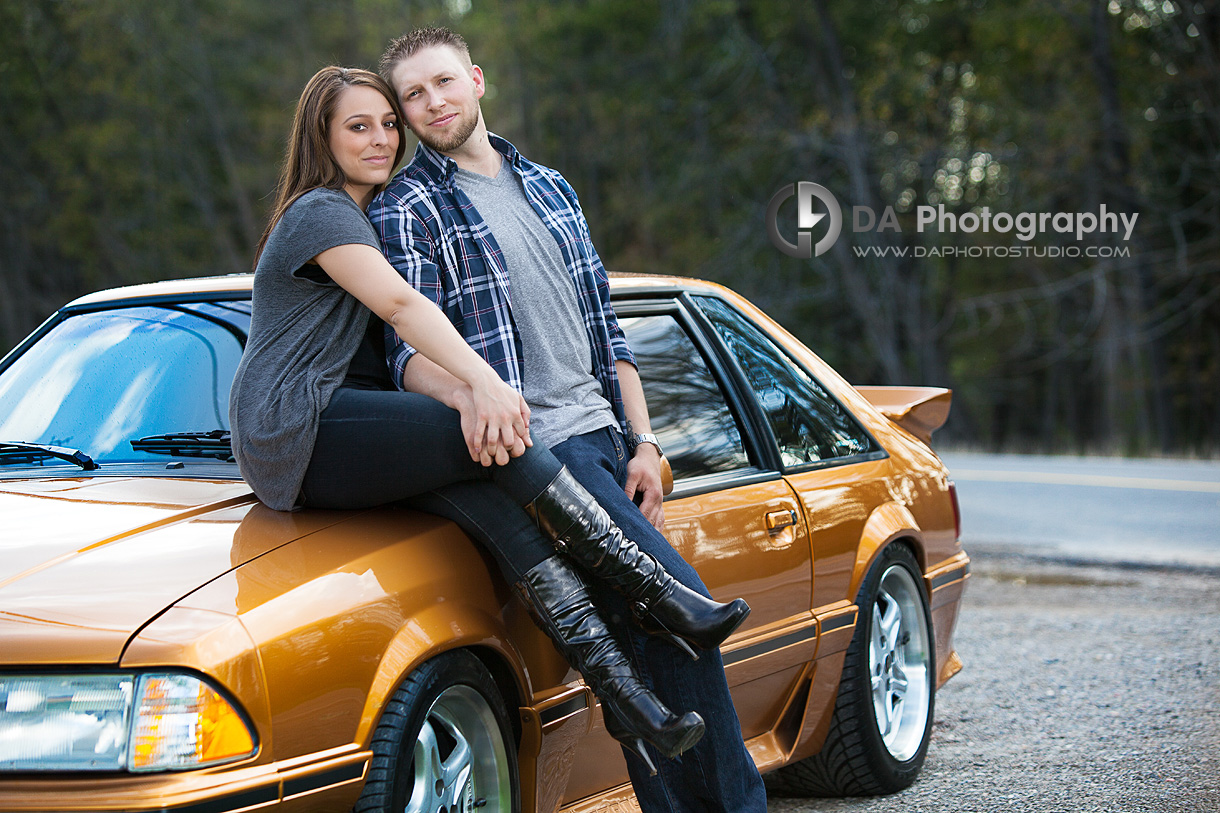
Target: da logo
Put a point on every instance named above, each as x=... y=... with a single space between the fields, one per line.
x=806 y=219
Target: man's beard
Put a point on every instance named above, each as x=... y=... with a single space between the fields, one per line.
x=455 y=139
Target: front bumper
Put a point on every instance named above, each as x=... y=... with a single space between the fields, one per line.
x=317 y=783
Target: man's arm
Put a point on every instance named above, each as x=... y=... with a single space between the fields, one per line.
x=618 y=340
x=408 y=246
x=644 y=468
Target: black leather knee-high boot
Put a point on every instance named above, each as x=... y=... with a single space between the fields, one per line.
x=570 y=516
x=560 y=601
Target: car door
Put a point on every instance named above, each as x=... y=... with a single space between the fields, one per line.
x=737 y=521
x=730 y=514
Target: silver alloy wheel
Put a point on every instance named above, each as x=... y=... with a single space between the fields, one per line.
x=461 y=764
x=900 y=657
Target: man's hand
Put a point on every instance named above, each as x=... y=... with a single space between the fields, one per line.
x=644 y=477
x=644 y=467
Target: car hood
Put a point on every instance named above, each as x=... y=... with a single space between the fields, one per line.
x=86 y=562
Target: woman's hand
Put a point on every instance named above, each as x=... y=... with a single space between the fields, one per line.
x=495 y=421
x=495 y=418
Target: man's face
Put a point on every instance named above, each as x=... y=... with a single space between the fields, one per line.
x=440 y=96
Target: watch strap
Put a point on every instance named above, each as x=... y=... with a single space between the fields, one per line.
x=645 y=437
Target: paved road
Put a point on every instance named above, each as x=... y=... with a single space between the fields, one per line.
x=1086 y=688
x=1089 y=684
x=1098 y=509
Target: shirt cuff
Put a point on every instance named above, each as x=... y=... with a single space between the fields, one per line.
x=622 y=350
x=398 y=362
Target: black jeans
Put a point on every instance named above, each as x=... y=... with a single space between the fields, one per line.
x=376 y=447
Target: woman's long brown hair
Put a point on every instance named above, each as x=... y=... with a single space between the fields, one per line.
x=309 y=163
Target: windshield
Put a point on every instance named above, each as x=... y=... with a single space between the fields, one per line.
x=96 y=381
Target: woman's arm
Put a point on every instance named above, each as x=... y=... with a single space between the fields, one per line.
x=495 y=418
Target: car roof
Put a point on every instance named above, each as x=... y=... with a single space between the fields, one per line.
x=647 y=284
x=231 y=283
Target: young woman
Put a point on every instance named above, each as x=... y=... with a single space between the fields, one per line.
x=316 y=421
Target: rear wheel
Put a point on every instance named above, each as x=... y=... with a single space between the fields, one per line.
x=882 y=720
x=444 y=743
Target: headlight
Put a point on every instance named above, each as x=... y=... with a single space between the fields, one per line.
x=64 y=723
x=109 y=722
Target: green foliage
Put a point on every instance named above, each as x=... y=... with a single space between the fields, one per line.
x=142 y=140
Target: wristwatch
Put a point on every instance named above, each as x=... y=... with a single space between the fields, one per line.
x=644 y=437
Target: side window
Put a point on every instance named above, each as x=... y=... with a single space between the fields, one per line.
x=685 y=405
x=808 y=424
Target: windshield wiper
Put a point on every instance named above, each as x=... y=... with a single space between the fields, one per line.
x=21 y=452
x=215 y=443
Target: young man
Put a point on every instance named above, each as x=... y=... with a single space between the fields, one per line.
x=501 y=245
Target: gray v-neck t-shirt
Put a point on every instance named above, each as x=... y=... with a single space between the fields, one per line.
x=565 y=398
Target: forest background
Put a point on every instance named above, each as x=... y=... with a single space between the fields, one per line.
x=140 y=140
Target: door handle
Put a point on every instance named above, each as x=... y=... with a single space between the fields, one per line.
x=780 y=519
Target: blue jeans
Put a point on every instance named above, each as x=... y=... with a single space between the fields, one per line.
x=718 y=773
x=376 y=447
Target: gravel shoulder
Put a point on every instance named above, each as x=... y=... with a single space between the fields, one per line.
x=1086 y=688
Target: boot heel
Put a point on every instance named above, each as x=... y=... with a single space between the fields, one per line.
x=709 y=637
x=577 y=525
x=681 y=644
x=679 y=738
x=636 y=747
x=655 y=627
x=632 y=744
x=633 y=714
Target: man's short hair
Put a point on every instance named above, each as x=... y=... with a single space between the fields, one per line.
x=416 y=40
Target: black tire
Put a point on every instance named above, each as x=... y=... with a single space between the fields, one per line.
x=857 y=758
x=447 y=728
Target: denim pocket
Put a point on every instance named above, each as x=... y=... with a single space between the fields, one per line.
x=620 y=453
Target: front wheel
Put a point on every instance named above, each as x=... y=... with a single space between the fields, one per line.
x=444 y=743
x=882 y=720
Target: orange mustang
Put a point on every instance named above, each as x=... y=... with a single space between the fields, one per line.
x=169 y=643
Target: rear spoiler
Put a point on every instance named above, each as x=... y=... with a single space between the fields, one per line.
x=919 y=410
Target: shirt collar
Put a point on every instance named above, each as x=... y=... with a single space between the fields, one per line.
x=440 y=168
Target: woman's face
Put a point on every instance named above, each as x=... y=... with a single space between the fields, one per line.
x=363 y=140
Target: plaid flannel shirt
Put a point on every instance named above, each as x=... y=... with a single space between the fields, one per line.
x=433 y=235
